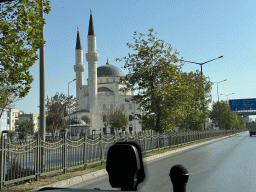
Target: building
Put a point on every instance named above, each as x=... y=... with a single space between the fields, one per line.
x=102 y=90
x=23 y=116
x=8 y=119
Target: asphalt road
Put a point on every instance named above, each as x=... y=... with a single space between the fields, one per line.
x=226 y=165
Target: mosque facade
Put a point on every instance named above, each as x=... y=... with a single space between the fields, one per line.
x=102 y=92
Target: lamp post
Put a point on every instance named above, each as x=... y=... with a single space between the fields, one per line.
x=202 y=67
x=202 y=63
x=227 y=95
x=69 y=110
x=218 y=98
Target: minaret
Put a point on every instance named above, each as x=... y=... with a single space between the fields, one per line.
x=92 y=58
x=79 y=67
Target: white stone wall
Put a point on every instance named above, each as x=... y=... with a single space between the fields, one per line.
x=83 y=97
x=115 y=98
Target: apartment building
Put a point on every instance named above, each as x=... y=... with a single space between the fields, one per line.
x=8 y=119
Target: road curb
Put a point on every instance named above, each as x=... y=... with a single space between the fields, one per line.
x=93 y=175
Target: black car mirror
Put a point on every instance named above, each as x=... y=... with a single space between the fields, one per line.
x=125 y=166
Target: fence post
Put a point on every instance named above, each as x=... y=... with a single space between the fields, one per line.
x=144 y=136
x=158 y=140
x=163 y=139
x=152 y=140
x=37 y=158
x=170 y=134
x=64 y=154
x=2 y=163
x=85 y=152
x=101 y=149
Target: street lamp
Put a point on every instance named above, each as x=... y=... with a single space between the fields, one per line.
x=218 y=98
x=203 y=63
x=69 y=110
x=227 y=95
x=202 y=68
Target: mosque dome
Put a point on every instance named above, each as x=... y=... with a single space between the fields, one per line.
x=109 y=71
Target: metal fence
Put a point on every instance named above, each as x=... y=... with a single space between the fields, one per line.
x=21 y=162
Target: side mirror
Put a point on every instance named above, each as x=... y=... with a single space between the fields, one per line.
x=125 y=166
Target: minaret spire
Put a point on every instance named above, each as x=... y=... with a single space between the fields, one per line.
x=78 y=43
x=91 y=27
x=107 y=61
x=79 y=66
x=92 y=57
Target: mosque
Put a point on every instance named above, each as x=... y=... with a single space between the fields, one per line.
x=102 y=92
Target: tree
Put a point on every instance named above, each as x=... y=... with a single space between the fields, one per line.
x=154 y=73
x=117 y=119
x=228 y=118
x=197 y=105
x=86 y=119
x=107 y=117
x=242 y=123
x=20 y=28
x=56 y=110
x=25 y=128
x=9 y=99
x=11 y=135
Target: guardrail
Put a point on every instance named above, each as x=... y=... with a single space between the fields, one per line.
x=21 y=162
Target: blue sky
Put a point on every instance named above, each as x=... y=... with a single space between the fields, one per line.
x=200 y=31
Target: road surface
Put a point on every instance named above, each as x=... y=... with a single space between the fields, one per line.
x=227 y=165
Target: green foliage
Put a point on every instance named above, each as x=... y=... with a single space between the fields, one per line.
x=11 y=135
x=25 y=128
x=117 y=119
x=154 y=73
x=228 y=119
x=20 y=27
x=198 y=101
x=15 y=171
x=9 y=98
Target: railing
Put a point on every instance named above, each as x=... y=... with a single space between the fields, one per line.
x=20 y=162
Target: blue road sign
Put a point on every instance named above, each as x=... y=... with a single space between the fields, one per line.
x=242 y=104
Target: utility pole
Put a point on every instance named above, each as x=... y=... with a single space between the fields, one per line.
x=42 y=92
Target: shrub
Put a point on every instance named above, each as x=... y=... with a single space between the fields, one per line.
x=15 y=171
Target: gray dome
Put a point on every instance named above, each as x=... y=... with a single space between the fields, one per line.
x=109 y=71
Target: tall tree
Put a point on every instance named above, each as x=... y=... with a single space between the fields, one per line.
x=228 y=118
x=198 y=102
x=154 y=72
x=25 y=128
x=20 y=27
x=56 y=110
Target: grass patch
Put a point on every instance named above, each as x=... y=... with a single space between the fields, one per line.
x=59 y=176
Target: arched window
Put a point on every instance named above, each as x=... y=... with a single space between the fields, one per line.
x=107 y=80
x=101 y=80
